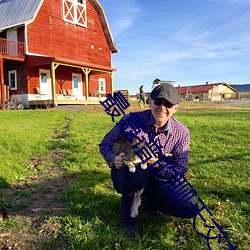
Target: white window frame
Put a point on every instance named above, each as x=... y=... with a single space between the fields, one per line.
x=78 y=16
x=15 y=75
x=102 y=82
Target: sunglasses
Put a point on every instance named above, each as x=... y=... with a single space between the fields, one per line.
x=159 y=102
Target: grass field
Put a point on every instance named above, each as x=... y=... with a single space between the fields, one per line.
x=219 y=171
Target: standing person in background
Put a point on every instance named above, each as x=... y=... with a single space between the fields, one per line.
x=142 y=98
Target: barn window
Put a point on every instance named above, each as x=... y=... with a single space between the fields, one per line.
x=74 y=11
x=102 y=86
x=12 y=80
x=43 y=77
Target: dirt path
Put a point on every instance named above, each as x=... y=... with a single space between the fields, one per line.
x=34 y=204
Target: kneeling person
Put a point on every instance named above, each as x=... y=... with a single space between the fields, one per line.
x=173 y=138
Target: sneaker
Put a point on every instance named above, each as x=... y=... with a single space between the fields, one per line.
x=131 y=230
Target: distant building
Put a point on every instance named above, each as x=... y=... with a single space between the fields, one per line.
x=157 y=82
x=207 y=92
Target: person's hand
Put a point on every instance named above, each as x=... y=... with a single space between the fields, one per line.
x=119 y=161
x=151 y=161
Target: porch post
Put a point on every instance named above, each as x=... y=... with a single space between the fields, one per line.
x=53 y=79
x=112 y=83
x=2 y=84
x=86 y=72
x=53 y=83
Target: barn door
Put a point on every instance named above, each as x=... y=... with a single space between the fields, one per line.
x=12 y=48
x=45 y=83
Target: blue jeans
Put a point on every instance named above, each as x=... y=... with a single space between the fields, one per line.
x=142 y=183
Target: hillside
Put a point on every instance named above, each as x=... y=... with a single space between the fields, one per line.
x=241 y=87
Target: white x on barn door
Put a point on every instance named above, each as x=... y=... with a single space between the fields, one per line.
x=74 y=11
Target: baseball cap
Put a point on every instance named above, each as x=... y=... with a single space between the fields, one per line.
x=166 y=91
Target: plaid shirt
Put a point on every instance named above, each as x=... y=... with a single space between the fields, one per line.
x=174 y=140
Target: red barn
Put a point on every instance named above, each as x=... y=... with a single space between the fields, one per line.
x=56 y=52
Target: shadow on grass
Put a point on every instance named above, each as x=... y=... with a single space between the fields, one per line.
x=33 y=207
x=3 y=182
x=230 y=209
x=218 y=194
x=221 y=189
x=94 y=218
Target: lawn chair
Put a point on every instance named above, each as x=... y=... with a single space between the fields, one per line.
x=64 y=93
x=70 y=92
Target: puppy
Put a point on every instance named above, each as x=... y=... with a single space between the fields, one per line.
x=123 y=145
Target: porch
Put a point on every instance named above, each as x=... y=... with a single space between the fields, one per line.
x=11 y=49
x=50 y=103
x=65 y=98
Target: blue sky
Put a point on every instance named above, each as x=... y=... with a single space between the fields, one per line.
x=188 y=41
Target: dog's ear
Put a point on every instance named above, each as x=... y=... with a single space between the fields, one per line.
x=116 y=148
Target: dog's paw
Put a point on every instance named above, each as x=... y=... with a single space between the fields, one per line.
x=132 y=170
x=144 y=166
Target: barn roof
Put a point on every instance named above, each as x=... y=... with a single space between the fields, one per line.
x=201 y=88
x=105 y=25
x=18 y=12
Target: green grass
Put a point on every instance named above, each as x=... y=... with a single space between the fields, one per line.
x=24 y=135
x=219 y=172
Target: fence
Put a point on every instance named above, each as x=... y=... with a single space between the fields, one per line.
x=13 y=48
x=124 y=92
x=244 y=96
x=218 y=96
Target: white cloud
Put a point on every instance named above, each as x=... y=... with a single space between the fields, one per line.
x=209 y=42
x=122 y=15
